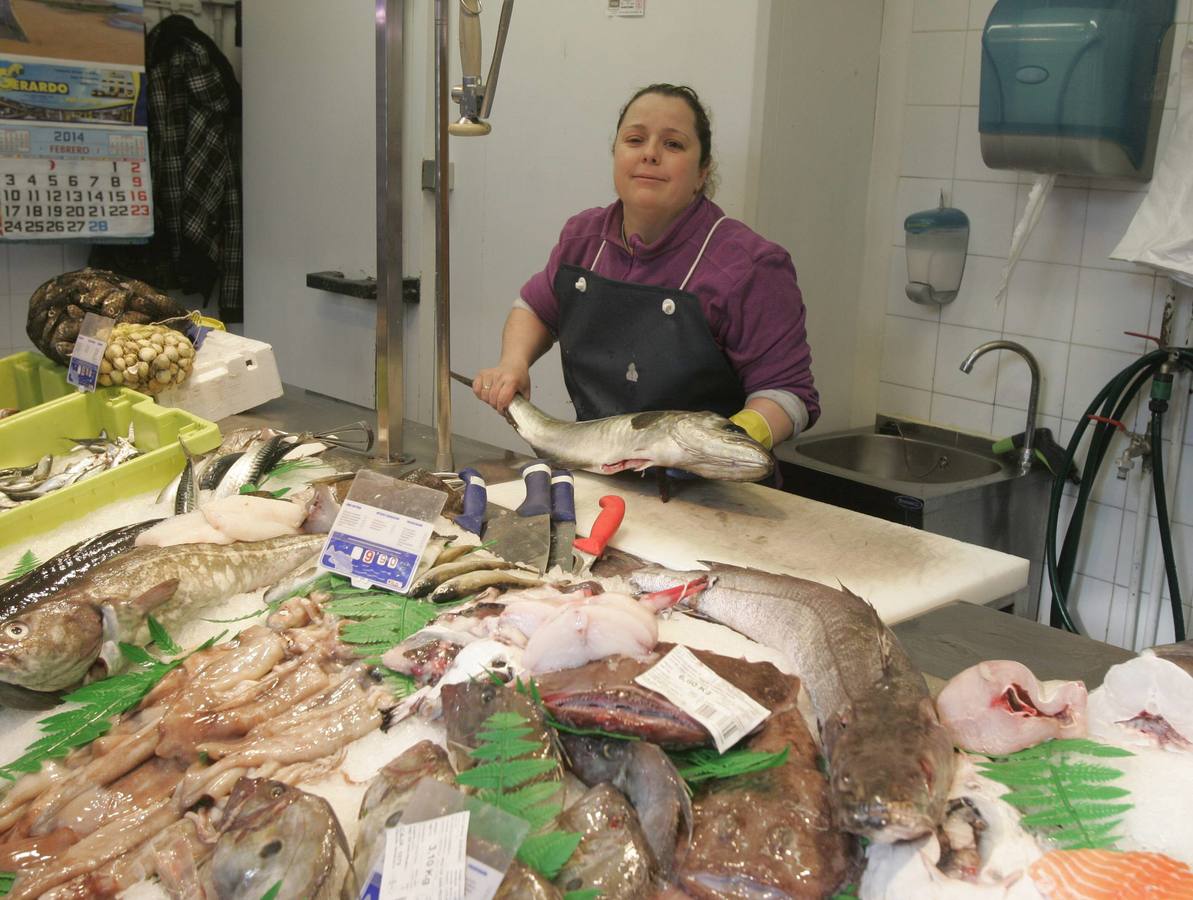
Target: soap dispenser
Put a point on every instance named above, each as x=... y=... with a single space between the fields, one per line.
x=937 y=241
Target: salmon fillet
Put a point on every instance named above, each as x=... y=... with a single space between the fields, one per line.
x=1111 y=875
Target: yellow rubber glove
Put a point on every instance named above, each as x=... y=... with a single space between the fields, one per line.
x=755 y=425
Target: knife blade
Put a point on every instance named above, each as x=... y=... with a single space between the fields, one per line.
x=588 y=550
x=563 y=520
x=525 y=537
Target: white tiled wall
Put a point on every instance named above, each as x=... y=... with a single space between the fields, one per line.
x=1067 y=301
x=22 y=268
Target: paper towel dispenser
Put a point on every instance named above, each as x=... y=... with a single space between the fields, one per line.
x=1075 y=88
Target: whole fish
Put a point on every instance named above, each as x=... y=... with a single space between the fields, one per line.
x=603 y=694
x=768 y=833
x=63 y=570
x=702 y=443
x=476 y=581
x=273 y=833
x=646 y=775
x=256 y=462
x=613 y=856
x=387 y=797
x=441 y=572
x=467 y=705
x=54 y=644
x=890 y=760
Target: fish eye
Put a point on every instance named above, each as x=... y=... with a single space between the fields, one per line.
x=271 y=849
x=733 y=428
x=276 y=791
x=16 y=630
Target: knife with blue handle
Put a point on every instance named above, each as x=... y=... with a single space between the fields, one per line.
x=563 y=519
x=525 y=537
x=476 y=497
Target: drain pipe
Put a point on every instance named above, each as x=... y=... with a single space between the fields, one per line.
x=443 y=395
x=1179 y=332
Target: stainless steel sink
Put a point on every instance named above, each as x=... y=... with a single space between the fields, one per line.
x=895 y=458
x=937 y=479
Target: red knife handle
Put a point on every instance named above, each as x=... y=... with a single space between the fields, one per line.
x=605 y=526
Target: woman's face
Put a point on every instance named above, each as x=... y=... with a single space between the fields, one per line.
x=656 y=157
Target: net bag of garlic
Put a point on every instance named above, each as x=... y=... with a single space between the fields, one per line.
x=146 y=358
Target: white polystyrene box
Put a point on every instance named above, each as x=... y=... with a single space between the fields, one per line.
x=231 y=374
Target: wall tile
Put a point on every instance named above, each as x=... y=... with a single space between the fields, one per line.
x=1014 y=377
x=970 y=165
x=1182 y=504
x=964 y=415
x=1109 y=216
x=1109 y=304
x=940 y=15
x=897 y=400
x=1058 y=234
x=1126 y=556
x=3 y=270
x=909 y=352
x=1100 y=535
x=1180 y=37
x=979 y=11
x=31 y=264
x=974 y=305
x=971 y=76
x=929 y=141
x=1182 y=11
x=13 y=315
x=1041 y=300
x=1089 y=603
x=1108 y=489
x=1090 y=369
x=74 y=255
x=1008 y=421
x=897 y=301
x=955 y=345
x=935 y=68
x=913 y=195
x=991 y=210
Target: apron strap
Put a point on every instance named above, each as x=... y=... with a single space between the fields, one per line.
x=600 y=250
x=707 y=238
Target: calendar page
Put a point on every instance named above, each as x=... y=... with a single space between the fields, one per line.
x=60 y=181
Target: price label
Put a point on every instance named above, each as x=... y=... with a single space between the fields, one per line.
x=78 y=182
x=426 y=860
x=375 y=546
x=728 y=713
x=92 y=340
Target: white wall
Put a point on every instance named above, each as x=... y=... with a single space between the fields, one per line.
x=1068 y=302
x=817 y=138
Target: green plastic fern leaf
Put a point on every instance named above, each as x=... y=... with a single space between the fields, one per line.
x=6 y=880
x=1061 y=794
x=704 y=764
x=26 y=564
x=548 y=853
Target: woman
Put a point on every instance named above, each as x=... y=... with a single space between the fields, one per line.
x=660 y=301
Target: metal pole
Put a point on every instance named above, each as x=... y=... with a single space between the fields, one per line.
x=443 y=399
x=389 y=381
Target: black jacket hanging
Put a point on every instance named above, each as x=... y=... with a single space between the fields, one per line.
x=194 y=153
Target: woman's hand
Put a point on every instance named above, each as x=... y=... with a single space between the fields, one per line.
x=497 y=386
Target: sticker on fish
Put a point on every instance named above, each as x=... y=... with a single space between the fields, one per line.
x=381 y=531
x=85 y=359
x=447 y=846
x=728 y=713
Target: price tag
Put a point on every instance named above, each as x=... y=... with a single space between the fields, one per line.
x=83 y=370
x=727 y=713
x=426 y=860
x=85 y=182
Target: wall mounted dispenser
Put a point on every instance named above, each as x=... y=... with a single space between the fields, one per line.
x=1075 y=86
x=937 y=240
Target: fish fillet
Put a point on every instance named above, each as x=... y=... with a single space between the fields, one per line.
x=1111 y=875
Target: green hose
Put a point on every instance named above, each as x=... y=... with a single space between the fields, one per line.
x=1114 y=399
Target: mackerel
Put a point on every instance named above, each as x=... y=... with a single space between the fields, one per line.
x=54 y=644
x=702 y=443
x=890 y=760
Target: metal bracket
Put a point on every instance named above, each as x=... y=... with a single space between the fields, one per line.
x=364 y=288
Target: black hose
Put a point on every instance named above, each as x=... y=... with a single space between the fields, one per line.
x=1174 y=588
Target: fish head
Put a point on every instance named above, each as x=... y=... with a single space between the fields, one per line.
x=52 y=645
x=713 y=447
x=272 y=832
x=889 y=780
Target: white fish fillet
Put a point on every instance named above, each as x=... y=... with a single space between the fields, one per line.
x=228 y=519
x=999 y=707
x=1146 y=685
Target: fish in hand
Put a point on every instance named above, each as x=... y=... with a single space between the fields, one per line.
x=702 y=443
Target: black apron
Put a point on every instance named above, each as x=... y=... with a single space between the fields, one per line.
x=631 y=347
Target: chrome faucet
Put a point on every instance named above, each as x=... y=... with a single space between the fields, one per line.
x=1029 y=433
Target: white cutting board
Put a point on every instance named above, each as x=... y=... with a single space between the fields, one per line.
x=903 y=571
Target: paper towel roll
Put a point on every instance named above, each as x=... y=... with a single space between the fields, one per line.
x=1040 y=190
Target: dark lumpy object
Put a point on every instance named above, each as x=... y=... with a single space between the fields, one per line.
x=56 y=309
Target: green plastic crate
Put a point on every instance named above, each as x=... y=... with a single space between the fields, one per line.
x=48 y=428
x=29 y=379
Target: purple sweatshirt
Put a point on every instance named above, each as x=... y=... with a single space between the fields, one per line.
x=746 y=286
